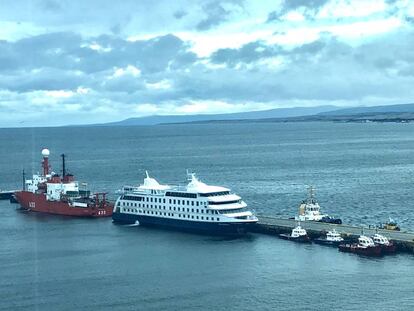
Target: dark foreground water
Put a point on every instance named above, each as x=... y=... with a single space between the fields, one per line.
x=364 y=173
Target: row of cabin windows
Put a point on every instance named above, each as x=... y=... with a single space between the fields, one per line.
x=181 y=194
x=132 y=210
x=162 y=200
x=214 y=194
x=225 y=202
x=180 y=209
x=231 y=211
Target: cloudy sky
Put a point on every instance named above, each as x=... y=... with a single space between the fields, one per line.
x=76 y=62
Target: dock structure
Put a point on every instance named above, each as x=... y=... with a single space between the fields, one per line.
x=274 y=226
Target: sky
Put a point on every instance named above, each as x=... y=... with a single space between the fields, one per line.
x=81 y=62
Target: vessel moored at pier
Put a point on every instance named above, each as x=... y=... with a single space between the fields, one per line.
x=365 y=246
x=194 y=207
x=53 y=194
x=298 y=234
x=309 y=210
x=387 y=246
x=333 y=238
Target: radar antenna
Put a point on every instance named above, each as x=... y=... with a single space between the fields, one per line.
x=190 y=175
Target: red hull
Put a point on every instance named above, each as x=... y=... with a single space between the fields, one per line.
x=374 y=251
x=388 y=249
x=38 y=203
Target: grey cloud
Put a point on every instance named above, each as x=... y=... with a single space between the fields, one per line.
x=273 y=16
x=180 y=14
x=50 y=5
x=42 y=79
x=310 y=48
x=409 y=19
x=69 y=51
x=216 y=14
x=126 y=84
x=311 y=8
x=49 y=50
x=289 y=5
x=248 y=53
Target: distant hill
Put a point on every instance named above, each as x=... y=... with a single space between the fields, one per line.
x=390 y=113
x=405 y=108
x=264 y=114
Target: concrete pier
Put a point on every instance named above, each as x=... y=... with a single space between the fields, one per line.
x=272 y=225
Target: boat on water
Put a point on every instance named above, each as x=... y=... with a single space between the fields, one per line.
x=309 y=210
x=298 y=234
x=332 y=238
x=387 y=246
x=6 y=194
x=365 y=246
x=196 y=207
x=53 y=194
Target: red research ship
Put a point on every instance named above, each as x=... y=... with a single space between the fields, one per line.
x=53 y=194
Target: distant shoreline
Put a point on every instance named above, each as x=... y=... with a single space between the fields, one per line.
x=335 y=119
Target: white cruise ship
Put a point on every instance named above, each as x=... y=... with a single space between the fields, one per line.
x=194 y=207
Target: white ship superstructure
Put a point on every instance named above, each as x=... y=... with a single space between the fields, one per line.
x=196 y=206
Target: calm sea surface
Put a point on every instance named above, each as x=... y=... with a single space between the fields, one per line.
x=364 y=173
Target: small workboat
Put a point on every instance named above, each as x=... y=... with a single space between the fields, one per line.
x=332 y=238
x=365 y=246
x=298 y=234
x=387 y=246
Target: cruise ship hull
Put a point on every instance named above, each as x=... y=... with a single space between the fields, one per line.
x=213 y=228
x=37 y=203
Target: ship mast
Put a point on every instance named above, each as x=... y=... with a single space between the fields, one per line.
x=24 y=180
x=311 y=196
x=63 y=165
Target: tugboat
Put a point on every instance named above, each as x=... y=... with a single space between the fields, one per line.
x=309 y=209
x=298 y=234
x=365 y=246
x=390 y=225
x=333 y=238
x=386 y=245
x=53 y=194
